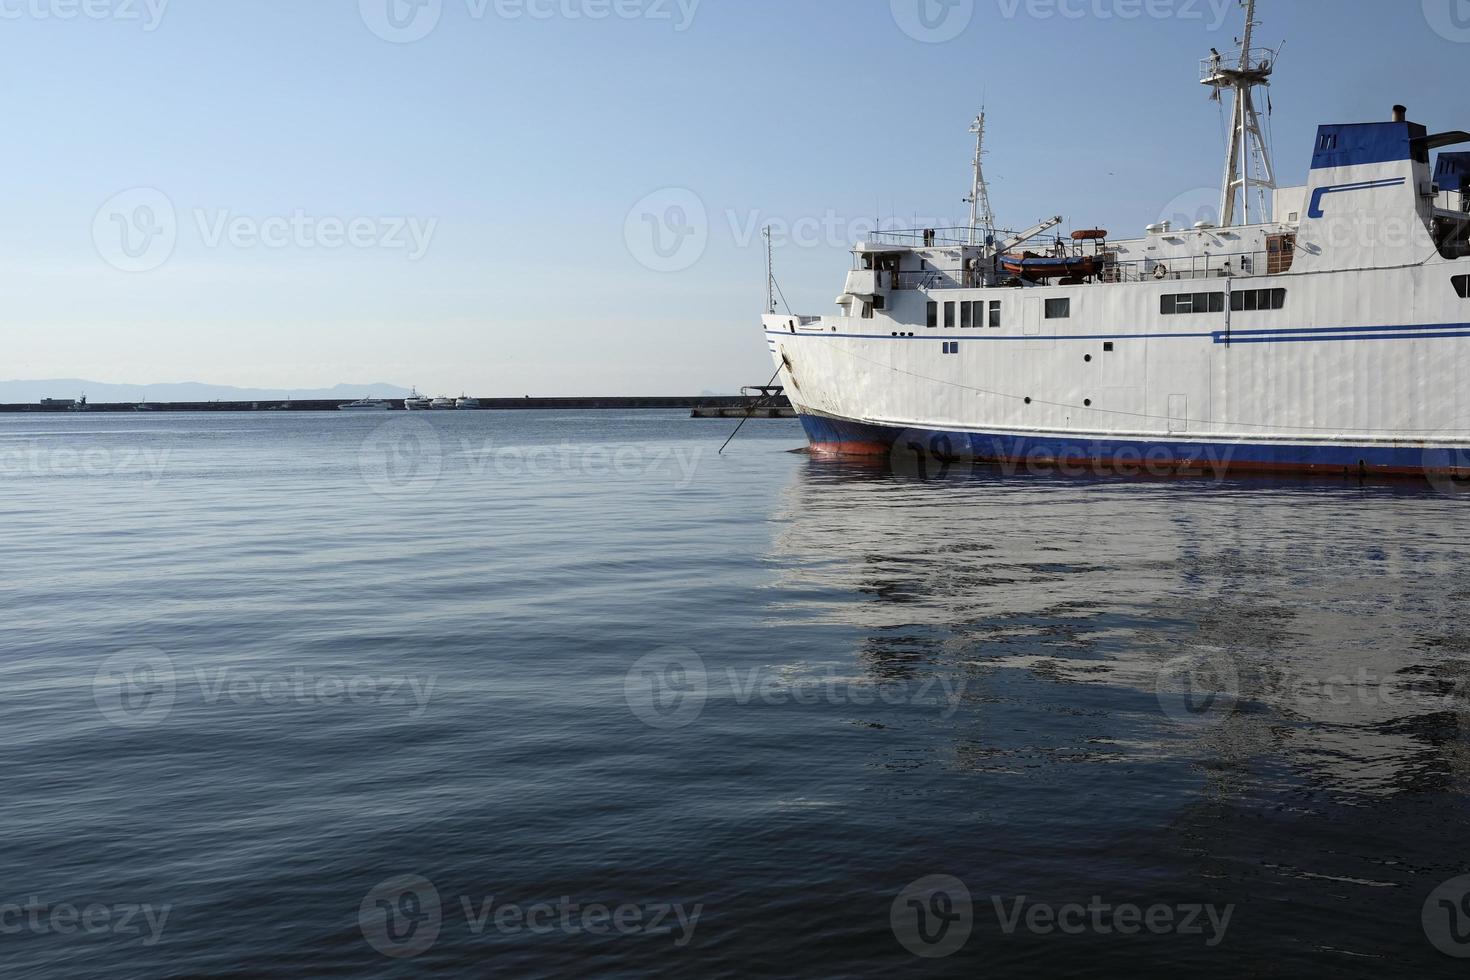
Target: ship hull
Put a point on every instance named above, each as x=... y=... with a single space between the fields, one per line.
x=837 y=437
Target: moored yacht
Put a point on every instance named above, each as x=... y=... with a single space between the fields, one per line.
x=416 y=402
x=367 y=405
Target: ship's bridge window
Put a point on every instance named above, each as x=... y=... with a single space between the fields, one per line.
x=1176 y=303
x=995 y=313
x=933 y=314
x=1462 y=286
x=949 y=316
x=1059 y=309
x=867 y=311
x=1250 y=300
x=967 y=315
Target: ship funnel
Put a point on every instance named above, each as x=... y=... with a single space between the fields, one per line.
x=1400 y=113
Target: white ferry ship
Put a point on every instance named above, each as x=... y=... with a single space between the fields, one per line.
x=1328 y=331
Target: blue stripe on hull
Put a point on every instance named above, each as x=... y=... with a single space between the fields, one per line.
x=858 y=438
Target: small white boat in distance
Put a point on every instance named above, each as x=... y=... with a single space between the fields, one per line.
x=442 y=404
x=416 y=402
x=467 y=404
x=367 y=405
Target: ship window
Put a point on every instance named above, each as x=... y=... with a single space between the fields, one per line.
x=995 y=313
x=1108 y=347
x=880 y=302
x=1058 y=309
x=933 y=314
x=1192 y=303
x=1462 y=286
x=867 y=311
x=967 y=315
x=1251 y=300
x=949 y=316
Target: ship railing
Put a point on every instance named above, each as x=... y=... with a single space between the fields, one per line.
x=926 y=237
x=1257 y=60
x=1233 y=265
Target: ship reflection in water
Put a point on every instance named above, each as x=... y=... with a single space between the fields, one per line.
x=1244 y=691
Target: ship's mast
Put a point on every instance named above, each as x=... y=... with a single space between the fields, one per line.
x=770 y=273
x=982 y=218
x=1248 y=159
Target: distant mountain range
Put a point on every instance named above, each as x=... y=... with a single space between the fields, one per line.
x=30 y=392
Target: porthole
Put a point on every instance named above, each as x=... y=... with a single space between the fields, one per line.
x=1088 y=403
x=1088 y=358
x=1028 y=401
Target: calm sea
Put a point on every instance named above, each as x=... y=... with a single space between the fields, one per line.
x=541 y=694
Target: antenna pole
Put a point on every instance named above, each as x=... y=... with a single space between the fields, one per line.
x=981 y=216
x=770 y=273
x=1248 y=158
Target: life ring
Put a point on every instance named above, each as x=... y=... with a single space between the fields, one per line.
x=1161 y=271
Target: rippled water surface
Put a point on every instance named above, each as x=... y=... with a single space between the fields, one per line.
x=541 y=694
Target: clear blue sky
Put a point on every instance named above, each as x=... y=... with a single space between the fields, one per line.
x=518 y=145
